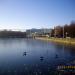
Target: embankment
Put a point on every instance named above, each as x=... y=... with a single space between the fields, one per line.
x=66 y=41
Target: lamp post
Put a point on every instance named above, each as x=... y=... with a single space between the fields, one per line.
x=55 y=32
x=66 y=34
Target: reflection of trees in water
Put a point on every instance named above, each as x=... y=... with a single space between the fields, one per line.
x=66 y=54
x=65 y=49
x=58 y=47
x=72 y=51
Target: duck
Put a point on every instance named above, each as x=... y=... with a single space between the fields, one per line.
x=56 y=56
x=25 y=53
x=42 y=57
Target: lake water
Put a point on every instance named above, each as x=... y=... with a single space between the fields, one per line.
x=32 y=57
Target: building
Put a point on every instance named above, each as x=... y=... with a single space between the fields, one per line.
x=38 y=32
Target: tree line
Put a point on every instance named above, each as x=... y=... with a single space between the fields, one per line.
x=58 y=31
x=12 y=34
x=66 y=31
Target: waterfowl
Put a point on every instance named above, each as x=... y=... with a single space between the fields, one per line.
x=25 y=53
x=56 y=56
x=42 y=57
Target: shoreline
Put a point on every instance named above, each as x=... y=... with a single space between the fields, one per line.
x=70 y=42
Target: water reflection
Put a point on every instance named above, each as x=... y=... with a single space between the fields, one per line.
x=51 y=55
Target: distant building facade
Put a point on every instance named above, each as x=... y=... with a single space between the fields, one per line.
x=38 y=32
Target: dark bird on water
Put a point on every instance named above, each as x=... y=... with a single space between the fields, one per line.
x=41 y=58
x=56 y=56
x=25 y=53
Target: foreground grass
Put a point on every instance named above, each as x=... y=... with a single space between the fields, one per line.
x=67 y=41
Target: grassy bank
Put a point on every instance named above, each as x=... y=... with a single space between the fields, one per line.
x=67 y=41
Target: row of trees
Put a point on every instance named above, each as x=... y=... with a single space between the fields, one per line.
x=12 y=34
x=58 y=31
x=66 y=31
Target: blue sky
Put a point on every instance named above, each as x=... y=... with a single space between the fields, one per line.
x=27 y=14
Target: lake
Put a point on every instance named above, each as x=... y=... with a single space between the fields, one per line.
x=20 y=56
